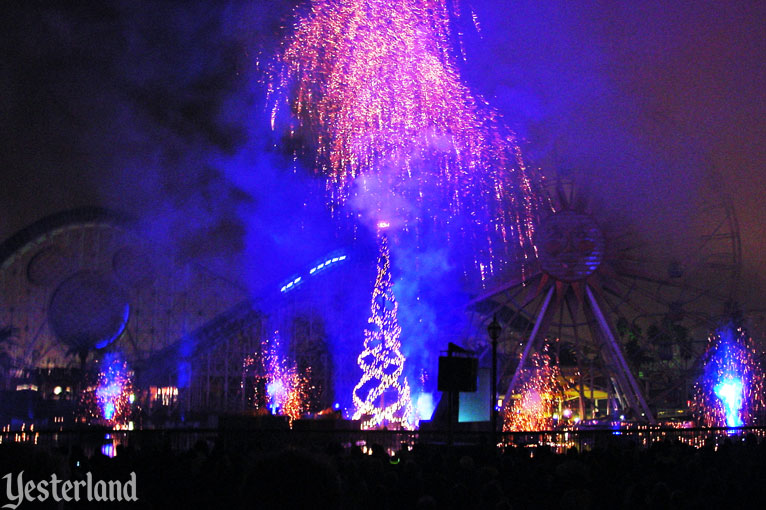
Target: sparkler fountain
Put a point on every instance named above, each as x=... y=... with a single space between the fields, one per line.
x=538 y=394
x=109 y=402
x=286 y=390
x=730 y=392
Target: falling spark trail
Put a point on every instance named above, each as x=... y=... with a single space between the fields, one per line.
x=372 y=87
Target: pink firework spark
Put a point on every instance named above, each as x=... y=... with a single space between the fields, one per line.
x=373 y=87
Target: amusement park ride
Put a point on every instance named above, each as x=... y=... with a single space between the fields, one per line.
x=81 y=284
x=626 y=306
x=625 y=309
x=570 y=250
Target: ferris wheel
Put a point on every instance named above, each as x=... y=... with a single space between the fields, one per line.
x=625 y=300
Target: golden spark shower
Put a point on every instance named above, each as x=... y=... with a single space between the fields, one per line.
x=372 y=89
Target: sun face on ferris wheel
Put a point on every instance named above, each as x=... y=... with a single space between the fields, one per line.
x=570 y=246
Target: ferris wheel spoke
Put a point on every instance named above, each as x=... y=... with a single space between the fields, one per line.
x=575 y=322
x=634 y=306
x=698 y=252
x=697 y=292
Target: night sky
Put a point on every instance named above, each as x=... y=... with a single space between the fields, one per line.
x=157 y=109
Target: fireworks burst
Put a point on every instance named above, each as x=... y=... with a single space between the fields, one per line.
x=372 y=87
x=109 y=402
x=730 y=392
x=286 y=390
x=539 y=392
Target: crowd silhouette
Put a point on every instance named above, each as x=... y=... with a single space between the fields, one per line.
x=256 y=475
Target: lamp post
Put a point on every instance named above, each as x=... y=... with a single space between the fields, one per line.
x=494 y=331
